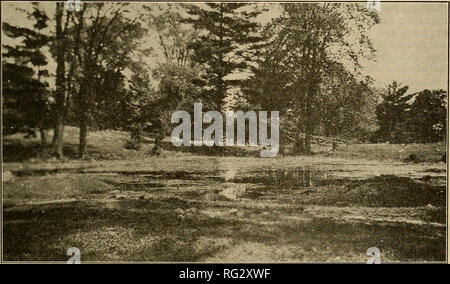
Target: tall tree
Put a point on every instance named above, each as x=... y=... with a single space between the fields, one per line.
x=348 y=107
x=60 y=81
x=104 y=36
x=176 y=73
x=425 y=120
x=25 y=89
x=391 y=111
x=308 y=45
x=229 y=33
x=139 y=101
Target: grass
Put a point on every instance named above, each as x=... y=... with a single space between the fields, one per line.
x=381 y=191
x=102 y=145
x=52 y=187
x=109 y=145
x=430 y=152
x=128 y=206
x=149 y=234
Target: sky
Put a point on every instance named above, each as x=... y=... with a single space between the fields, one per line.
x=412 y=47
x=411 y=43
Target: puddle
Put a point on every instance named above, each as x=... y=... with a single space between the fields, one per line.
x=42 y=172
x=286 y=179
x=184 y=175
x=165 y=175
x=315 y=186
x=136 y=185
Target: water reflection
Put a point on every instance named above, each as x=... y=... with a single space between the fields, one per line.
x=287 y=179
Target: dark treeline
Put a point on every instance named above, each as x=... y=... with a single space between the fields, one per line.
x=406 y=118
x=130 y=66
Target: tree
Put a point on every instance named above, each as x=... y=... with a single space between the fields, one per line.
x=225 y=47
x=348 y=107
x=26 y=92
x=391 y=111
x=177 y=90
x=139 y=101
x=104 y=36
x=60 y=81
x=110 y=98
x=308 y=45
x=425 y=120
x=177 y=74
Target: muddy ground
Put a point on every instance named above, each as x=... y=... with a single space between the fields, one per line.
x=225 y=209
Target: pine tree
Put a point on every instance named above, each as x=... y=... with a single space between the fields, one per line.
x=25 y=91
x=391 y=111
x=225 y=47
x=426 y=119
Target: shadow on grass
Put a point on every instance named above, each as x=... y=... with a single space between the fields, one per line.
x=44 y=232
x=212 y=151
x=19 y=150
x=381 y=191
x=151 y=230
x=15 y=150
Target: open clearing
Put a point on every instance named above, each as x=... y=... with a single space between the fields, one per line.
x=206 y=208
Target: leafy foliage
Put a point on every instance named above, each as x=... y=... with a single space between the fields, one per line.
x=419 y=117
x=130 y=66
x=309 y=62
x=25 y=92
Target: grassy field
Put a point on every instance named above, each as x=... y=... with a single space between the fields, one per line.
x=109 y=145
x=124 y=205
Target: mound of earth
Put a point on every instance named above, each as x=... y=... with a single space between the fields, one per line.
x=381 y=191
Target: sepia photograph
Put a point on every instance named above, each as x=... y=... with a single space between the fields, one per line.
x=229 y=132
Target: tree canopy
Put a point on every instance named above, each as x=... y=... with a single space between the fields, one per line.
x=129 y=66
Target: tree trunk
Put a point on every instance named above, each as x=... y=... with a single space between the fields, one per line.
x=85 y=97
x=335 y=146
x=83 y=116
x=156 y=151
x=58 y=136
x=308 y=143
x=299 y=145
x=54 y=136
x=43 y=133
x=221 y=84
x=137 y=132
x=308 y=133
x=310 y=116
x=82 y=148
x=60 y=86
x=83 y=119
